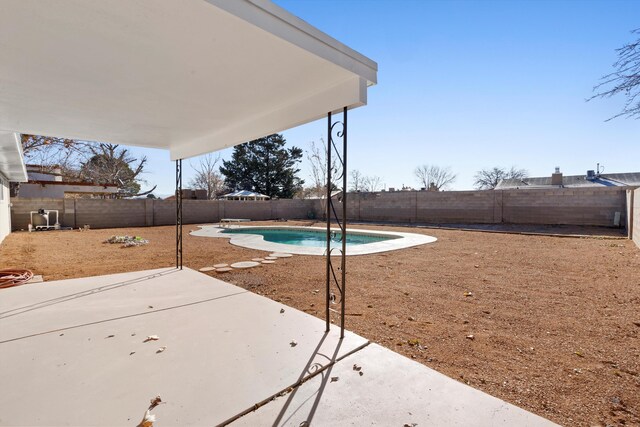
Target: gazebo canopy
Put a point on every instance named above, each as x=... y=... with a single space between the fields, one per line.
x=189 y=76
x=245 y=194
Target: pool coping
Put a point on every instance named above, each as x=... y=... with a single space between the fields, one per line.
x=255 y=241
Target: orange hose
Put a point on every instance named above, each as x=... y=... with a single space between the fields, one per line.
x=14 y=277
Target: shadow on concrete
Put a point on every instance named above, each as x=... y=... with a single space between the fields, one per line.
x=127 y=316
x=311 y=369
x=85 y=293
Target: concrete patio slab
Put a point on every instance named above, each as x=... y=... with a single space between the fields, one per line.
x=227 y=349
x=72 y=353
x=392 y=391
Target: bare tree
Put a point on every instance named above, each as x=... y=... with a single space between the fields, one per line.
x=488 y=179
x=625 y=79
x=84 y=160
x=317 y=157
x=111 y=164
x=208 y=176
x=372 y=183
x=357 y=180
x=49 y=153
x=433 y=177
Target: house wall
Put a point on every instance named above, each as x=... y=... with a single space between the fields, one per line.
x=5 y=214
x=591 y=206
x=635 y=228
x=56 y=191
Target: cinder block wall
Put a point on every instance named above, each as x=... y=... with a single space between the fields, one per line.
x=423 y=207
x=391 y=207
x=457 y=207
x=587 y=206
x=108 y=213
x=164 y=212
x=591 y=206
x=195 y=211
x=113 y=213
x=20 y=209
x=295 y=208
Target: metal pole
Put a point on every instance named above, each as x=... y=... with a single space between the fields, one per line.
x=179 y=214
x=328 y=202
x=344 y=222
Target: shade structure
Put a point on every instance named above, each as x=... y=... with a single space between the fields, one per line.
x=191 y=76
x=245 y=195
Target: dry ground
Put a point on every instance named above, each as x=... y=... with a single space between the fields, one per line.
x=555 y=321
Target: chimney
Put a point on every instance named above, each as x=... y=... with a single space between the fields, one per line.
x=57 y=171
x=556 y=177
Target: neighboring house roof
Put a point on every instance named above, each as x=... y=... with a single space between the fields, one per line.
x=59 y=190
x=324 y=196
x=245 y=193
x=572 y=181
x=114 y=187
x=44 y=173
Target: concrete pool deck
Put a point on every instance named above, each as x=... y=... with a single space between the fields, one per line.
x=400 y=240
x=72 y=353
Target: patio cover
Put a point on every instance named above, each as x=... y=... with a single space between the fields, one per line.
x=12 y=164
x=190 y=76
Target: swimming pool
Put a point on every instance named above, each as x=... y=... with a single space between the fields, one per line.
x=312 y=238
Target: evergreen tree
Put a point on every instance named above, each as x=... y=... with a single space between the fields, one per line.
x=264 y=166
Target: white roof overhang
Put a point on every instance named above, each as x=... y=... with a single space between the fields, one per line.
x=191 y=76
x=12 y=164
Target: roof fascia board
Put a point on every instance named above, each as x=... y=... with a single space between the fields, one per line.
x=351 y=93
x=15 y=145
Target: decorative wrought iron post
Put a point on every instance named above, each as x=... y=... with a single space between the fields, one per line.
x=179 y=214
x=336 y=130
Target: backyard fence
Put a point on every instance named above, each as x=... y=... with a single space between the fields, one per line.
x=573 y=206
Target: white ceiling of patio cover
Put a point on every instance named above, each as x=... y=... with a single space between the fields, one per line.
x=192 y=76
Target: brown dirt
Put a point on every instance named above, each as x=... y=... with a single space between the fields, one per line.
x=555 y=321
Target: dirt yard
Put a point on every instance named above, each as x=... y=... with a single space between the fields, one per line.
x=547 y=323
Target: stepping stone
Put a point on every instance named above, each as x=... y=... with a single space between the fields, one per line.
x=205 y=269
x=270 y=258
x=280 y=255
x=257 y=259
x=268 y=261
x=220 y=265
x=36 y=279
x=223 y=269
x=245 y=264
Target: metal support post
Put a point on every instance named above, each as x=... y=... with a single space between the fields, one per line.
x=336 y=131
x=179 y=214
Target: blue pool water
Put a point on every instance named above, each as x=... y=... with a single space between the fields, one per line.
x=315 y=238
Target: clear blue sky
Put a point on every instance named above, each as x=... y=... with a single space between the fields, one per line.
x=473 y=84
